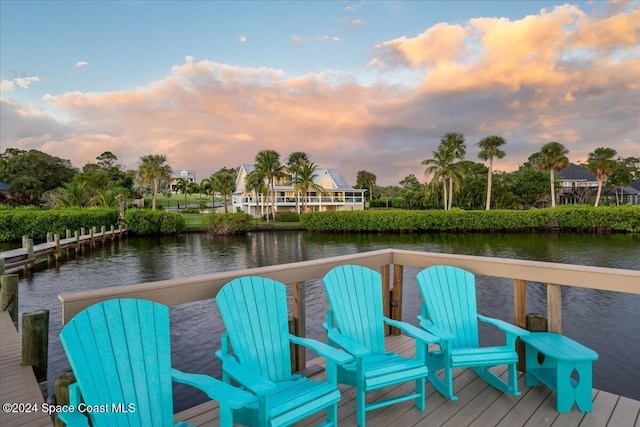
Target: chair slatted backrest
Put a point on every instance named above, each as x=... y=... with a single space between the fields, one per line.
x=449 y=295
x=254 y=311
x=355 y=296
x=120 y=353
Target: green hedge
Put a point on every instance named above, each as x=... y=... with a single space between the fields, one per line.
x=227 y=223
x=287 y=217
x=36 y=223
x=570 y=218
x=148 y=222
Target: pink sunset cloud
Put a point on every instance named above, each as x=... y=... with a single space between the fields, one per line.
x=543 y=77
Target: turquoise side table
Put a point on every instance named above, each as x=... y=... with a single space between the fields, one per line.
x=555 y=360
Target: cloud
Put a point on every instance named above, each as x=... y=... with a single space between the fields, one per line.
x=25 y=82
x=241 y=38
x=327 y=38
x=541 y=78
x=81 y=64
x=356 y=22
x=6 y=86
x=297 y=39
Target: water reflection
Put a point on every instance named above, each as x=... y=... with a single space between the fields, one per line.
x=589 y=316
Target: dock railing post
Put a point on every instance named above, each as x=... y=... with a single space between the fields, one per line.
x=9 y=296
x=299 y=353
x=520 y=315
x=396 y=296
x=386 y=294
x=554 y=308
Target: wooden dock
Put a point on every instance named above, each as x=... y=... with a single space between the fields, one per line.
x=19 y=391
x=478 y=404
x=27 y=256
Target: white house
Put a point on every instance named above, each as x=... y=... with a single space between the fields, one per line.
x=188 y=175
x=337 y=195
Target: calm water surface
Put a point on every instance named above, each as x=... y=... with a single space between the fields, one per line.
x=608 y=322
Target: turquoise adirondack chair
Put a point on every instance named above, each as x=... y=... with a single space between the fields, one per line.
x=254 y=312
x=355 y=323
x=120 y=353
x=449 y=311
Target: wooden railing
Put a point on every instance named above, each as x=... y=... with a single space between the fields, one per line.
x=183 y=290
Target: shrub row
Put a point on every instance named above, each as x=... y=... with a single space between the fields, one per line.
x=36 y=223
x=149 y=222
x=569 y=218
x=287 y=217
x=227 y=223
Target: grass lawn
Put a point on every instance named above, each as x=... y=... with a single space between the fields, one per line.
x=194 y=222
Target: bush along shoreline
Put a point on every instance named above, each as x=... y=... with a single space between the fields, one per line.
x=562 y=218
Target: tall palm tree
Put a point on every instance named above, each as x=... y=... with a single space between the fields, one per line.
x=225 y=183
x=152 y=171
x=255 y=183
x=268 y=163
x=552 y=157
x=490 y=148
x=453 y=144
x=294 y=164
x=602 y=163
x=305 y=181
x=440 y=169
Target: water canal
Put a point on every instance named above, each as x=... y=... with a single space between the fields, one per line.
x=608 y=322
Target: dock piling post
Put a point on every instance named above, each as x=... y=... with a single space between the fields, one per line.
x=9 y=296
x=61 y=387
x=35 y=344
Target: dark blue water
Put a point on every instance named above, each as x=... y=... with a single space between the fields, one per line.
x=608 y=322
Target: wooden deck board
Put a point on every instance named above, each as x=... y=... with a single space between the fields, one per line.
x=17 y=383
x=478 y=405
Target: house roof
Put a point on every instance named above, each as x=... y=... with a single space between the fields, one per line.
x=576 y=173
x=4 y=186
x=636 y=184
x=336 y=177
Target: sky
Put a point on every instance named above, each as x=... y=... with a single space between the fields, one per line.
x=357 y=85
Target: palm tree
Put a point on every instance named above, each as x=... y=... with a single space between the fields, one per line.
x=439 y=168
x=182 y=186
x=106 y=198
x=73 y=194
x=601 y=162
x=552 y=156
x=268 y=163
x=453 y=144
x=254 y=182
x=224 y=182
x=490 y=148
x=366 y=180
x=305 y=181
x=294 y=164
x=152 y=171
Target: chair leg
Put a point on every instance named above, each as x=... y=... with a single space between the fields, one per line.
x=495 y=381
x=422 y=397
x=360 y=407
x=445 y=388
x=226 y=416
x=332 y=414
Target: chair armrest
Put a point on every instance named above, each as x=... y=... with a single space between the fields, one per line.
x=255 y=382
x=504 y=326
x=347 y=344
x=215 y=389
x=75 y=418
x=324 y=350
x=433 y=329
x=412 y=331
